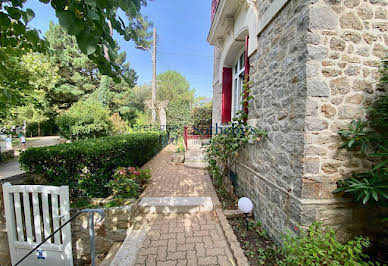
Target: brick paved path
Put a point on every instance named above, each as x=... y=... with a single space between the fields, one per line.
x=181 y=239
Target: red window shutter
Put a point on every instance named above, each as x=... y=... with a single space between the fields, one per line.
x=246 y=71
x=246 y=57
x=226 y=114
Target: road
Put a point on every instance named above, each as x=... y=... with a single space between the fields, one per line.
x=12 y=167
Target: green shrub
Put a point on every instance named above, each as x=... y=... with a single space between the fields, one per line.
x=318 y=246
x=378 y=114
x=202 y=116
x=128 y=182
x=85 y=119
x=87 y=166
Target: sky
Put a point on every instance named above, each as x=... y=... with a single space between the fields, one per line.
x=182 y=27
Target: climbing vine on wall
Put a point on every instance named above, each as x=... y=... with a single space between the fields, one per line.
x=223 y=151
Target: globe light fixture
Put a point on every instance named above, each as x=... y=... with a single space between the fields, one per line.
x=245 y=205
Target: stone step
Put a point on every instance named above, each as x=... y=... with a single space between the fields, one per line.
x=107 y=260
x=168 y=205
x=126 y=255
x=195 y=155
x=196 y=165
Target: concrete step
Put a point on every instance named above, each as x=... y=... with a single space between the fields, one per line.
x=168 y=205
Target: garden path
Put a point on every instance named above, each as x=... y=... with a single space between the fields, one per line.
x=178 y=238
x=12 y=167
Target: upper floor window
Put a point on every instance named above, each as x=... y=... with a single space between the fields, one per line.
x=238 y=81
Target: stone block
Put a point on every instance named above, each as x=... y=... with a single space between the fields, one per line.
x=175 y=204
x=365 y=11
x=312 y=165
x=328 y=110
x=322 y=18
x=316 y=124
x=316 y=52
x=350 y=112
x=351 y=21
x=339 y=86
x=317 y=88
x=337 y=44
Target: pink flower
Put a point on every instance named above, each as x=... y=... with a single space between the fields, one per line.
x=122 y=171
x=296 y=229
x=136 y=173
x=131 y=169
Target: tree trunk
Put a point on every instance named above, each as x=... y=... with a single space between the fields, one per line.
x=39 y=129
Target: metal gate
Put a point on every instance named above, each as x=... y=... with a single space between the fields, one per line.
x=33 y=212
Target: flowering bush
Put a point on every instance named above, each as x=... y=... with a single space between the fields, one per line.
x=128 y=182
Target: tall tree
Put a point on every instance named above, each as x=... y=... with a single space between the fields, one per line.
x=90 y=22
x=78 y=74
x=13 y=82
x=174 y=87
x=37 y=77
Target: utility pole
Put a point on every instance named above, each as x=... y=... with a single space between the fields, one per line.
x=153 y=100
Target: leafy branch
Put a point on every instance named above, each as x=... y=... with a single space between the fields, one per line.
x=90 y=21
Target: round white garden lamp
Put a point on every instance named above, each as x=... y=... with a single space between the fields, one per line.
x=245 y=205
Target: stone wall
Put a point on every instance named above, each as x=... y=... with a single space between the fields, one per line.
x=270 y=171
x=112 y=229
x=314 y=71
x=347 y=40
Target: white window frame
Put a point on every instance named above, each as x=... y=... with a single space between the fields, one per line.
x=237 y=83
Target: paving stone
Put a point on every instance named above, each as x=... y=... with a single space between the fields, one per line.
x=171 y=245
x=207 y=261
x=168 y=236
x=159 y=243
x=185 y=247
x=175 y=238
x=200 y=248
x=162 y=254
x=215 y=251
x=167 y=263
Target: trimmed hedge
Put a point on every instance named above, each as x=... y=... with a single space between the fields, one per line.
x=87 y=166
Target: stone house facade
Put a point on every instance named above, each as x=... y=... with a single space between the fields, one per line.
x=314 y=68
